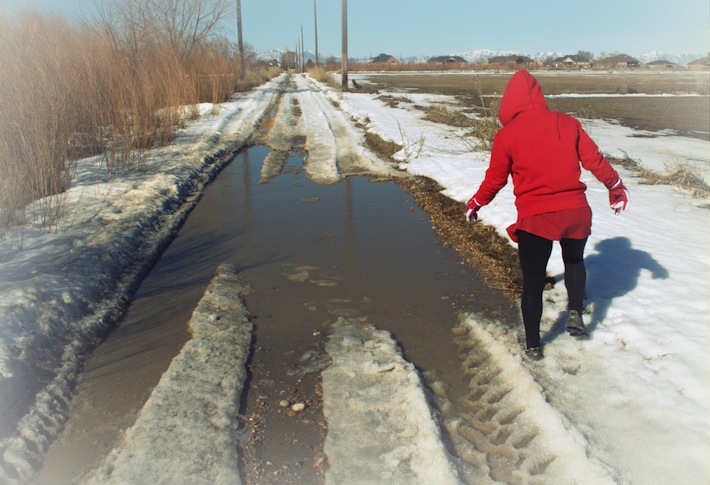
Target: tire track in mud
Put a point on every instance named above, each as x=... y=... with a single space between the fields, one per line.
x=504 y=430
x=277 y=132
x=352 y=156
x=486 y=433
x=306 y=119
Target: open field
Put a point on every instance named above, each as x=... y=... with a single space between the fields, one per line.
x=642 y=105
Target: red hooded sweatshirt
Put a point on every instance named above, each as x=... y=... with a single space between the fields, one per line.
x=542 y=150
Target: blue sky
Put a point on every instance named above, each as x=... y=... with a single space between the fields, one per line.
x=417 y=27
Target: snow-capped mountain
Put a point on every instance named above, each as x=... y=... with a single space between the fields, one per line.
x=270 y=55
x=680 y=59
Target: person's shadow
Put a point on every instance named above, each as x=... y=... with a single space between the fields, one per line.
x=613 y=271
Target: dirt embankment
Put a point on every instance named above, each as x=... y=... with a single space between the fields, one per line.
x=478 y=245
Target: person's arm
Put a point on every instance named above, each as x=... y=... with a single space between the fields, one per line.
x=600 y=167
x=593 y=160
x=497 y=174
x=496 y=178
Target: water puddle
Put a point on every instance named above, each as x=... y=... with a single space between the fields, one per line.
x=310 y=253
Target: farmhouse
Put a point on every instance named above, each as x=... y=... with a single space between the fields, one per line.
x=385 y=59
x=702 y=63
x=447 y=60
x=572 y=62
x=618 y=61
x=661 y=64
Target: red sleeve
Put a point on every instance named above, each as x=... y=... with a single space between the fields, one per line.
x=593 y=160
x=497 y=174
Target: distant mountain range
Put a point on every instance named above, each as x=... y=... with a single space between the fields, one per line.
x=482 y=55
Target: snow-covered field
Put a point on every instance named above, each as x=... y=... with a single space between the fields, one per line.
x=630 y=404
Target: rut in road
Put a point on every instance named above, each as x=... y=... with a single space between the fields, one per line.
x=334 y=146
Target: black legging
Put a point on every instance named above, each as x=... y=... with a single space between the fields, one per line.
x=534 y=252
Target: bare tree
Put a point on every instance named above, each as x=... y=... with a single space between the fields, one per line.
x=586 y=54
x=186 y=23
x=180 y=24
x=288 y=59
x=126 y=25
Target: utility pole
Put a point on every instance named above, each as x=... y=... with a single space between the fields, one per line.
x=303 y=53
x=242 y=61
x=344 y=60
x=315 y=18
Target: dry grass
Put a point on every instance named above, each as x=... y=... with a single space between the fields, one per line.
x=487 y=122
x=75 y=91
x=393 y=101
x=681 y=175
x=384 y=148
x=39 y=116
x=483 y=125
x=444 y=115
x=324 y=76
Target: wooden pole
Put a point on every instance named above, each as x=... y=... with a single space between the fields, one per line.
x=344 y=59
x=315 y=21
x=242 y=61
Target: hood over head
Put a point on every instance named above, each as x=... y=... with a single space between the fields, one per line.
x=523 y=93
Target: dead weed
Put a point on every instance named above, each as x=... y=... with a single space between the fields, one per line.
x=681 y=175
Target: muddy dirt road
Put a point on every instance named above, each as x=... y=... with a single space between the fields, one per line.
x=317 y=238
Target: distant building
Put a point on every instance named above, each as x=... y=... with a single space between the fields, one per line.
x=514 y=59
x=702 y=63
x=385 y=59
x=447 y=60
x=661 y=64
x=572 y=62
x=621 y=61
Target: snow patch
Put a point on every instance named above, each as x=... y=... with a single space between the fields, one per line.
x=380 y=426
x=186 y=432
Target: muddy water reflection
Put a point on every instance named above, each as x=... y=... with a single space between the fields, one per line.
x=367 y=250
x=310 y=253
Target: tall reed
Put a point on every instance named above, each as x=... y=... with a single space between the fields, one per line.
x=76 y=90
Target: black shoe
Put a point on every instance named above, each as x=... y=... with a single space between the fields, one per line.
x=532 y=353
x=575 y=325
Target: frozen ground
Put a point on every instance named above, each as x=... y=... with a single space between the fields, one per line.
x=627 y=405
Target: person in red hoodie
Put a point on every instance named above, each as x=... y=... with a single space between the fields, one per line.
x=542 y=150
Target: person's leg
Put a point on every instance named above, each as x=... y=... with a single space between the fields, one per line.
x=575 y=282
x=575 y=272
x=534 y=253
